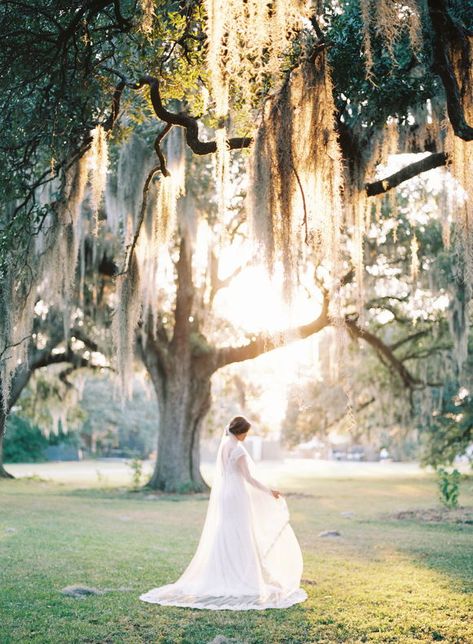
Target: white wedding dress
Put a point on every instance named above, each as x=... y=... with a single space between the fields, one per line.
x=248 y=556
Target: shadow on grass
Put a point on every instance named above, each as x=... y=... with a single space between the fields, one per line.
x=453 y=561
x=440 y=514
x=436 y=539
x=131 y=494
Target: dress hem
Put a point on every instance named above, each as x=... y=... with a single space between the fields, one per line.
x=294 y=598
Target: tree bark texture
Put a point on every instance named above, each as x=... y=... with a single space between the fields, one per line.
x=3 y=472
x=183 y=400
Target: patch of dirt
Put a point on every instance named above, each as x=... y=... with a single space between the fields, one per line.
x=79 y=592
x=435 y=515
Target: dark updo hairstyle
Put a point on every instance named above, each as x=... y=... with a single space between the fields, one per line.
x=238 y=425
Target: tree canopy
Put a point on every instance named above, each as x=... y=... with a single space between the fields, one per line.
x=281 y=115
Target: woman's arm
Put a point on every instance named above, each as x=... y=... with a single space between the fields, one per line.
x=245 y=472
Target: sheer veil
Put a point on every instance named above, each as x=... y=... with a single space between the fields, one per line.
x=212 y=520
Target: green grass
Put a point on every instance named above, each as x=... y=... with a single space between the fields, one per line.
x=383 y=580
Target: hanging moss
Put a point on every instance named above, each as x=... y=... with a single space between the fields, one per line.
x=143 y=204
x=389 y=20
x=125 y=322
x=52 y=262
x=98 y=163
x=295 y=191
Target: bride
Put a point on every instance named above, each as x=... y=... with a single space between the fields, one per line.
x=248 y=556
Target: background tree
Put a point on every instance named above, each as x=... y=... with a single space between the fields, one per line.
x=418 y=328
x=45 y=348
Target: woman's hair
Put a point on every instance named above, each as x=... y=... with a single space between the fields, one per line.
x=238 y=425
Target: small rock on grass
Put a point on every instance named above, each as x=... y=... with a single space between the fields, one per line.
x=221 y=639
x=330 y=533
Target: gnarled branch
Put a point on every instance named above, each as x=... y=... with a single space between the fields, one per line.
x=190 y=123
x=404 y=174
x=264 y=343
x=387 y=356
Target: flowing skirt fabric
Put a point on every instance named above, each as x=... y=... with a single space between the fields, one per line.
x=248 y=557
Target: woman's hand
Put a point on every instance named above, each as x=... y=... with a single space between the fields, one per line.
x=276 y=494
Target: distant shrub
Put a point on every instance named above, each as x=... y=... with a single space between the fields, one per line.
x=64 y=438
x=136 y=466
x=449 y=486
x=24 y=442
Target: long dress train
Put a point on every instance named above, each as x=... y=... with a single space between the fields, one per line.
x=248 y=556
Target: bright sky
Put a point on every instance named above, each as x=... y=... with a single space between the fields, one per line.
x=254 y=302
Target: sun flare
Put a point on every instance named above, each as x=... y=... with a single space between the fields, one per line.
x=254 y=302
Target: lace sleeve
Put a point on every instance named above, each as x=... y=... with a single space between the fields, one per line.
x=242 y=465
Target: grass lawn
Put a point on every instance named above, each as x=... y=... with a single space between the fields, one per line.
x=385 y=579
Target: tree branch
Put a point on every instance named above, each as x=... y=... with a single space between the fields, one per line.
x=385 y=353
x=358 y=409
x=78 y=362
x=404 y=174
x=184 y=294
x=159 y=153
x=446 y=32
x=216 y=284
x=189 y=123
x=264 y=343
x=409 y=338
x=131 y=248
x=116 y=98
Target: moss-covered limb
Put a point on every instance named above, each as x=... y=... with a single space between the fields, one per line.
x=408 y=172
x=190 y=124
x=387 y=356
x=144 y=201
x=264 y=343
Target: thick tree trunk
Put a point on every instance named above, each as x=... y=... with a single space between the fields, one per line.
x=180 y=369
x=181 y=379
x=3 y=473
x=183 y=407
